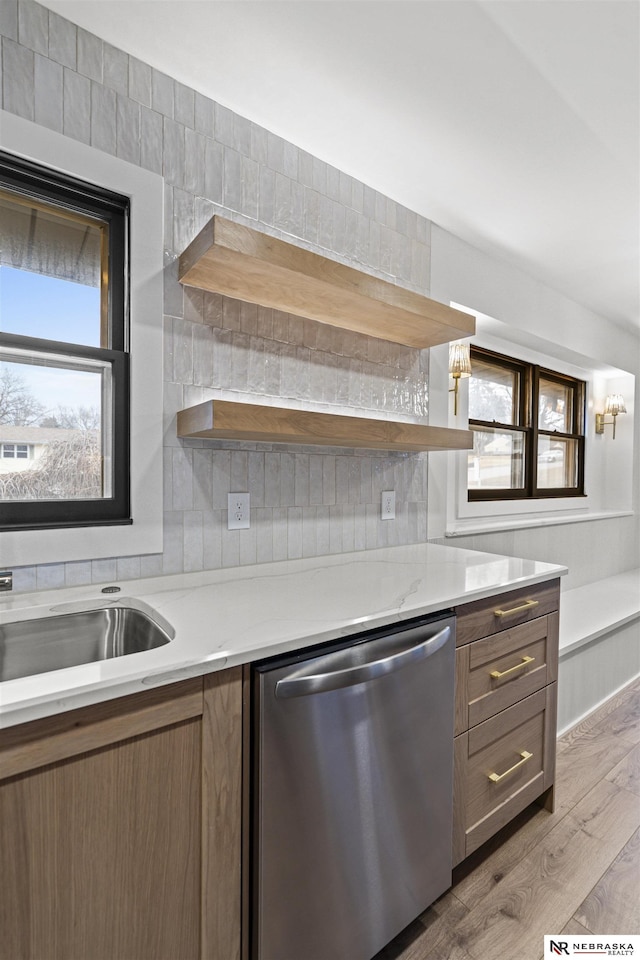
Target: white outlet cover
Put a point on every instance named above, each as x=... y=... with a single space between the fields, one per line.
x=239 y=511
x=388 y=505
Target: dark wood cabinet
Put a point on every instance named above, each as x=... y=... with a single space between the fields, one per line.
x=505 y=719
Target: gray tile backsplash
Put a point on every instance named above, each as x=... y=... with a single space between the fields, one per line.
x=18 y=87
x=9 y=19
x=306 y=501
x=103 y=118
x=140 y=81
x=48 y=78
x=63 y=41
x=33 y=27
x=76 y=106
x=115 y=69
x=90 y=54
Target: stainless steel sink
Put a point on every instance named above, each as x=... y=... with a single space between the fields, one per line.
x=29 y=647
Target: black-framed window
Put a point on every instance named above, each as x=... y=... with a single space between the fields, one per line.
x=64 y=363
x=528 y=429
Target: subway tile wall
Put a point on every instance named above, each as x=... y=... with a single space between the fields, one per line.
x=307 y=501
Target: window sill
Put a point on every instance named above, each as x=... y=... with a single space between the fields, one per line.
x=464 y=528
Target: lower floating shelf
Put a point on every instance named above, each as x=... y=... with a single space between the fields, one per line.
x=231 y=420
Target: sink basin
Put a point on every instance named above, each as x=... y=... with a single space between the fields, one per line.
x=29 y=647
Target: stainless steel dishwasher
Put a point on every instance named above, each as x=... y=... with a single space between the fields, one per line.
x=352 y=801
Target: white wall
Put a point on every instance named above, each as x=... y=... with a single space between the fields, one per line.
x=535 y=314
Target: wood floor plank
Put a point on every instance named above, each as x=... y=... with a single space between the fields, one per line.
x=596 y=721
x=432 y=928
x=609 y=814
x=613 y=904
x=403 y=945
x=448 y=906
x=550 y=883
x=581 y=766
x=437 y=940
x=439 y=944
x=625 y=721
x=626 y=774
x=575 y=929
x=493 y=863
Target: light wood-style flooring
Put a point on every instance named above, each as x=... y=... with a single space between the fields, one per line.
x=575 y=871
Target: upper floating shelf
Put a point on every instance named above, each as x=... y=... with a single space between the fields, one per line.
x=245 y=264
x=232 y=420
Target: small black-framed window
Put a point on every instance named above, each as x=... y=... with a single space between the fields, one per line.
x=64 y=360
x=528 y=429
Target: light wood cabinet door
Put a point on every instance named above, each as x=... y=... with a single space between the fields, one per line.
x=120 y=828
x=99 y=854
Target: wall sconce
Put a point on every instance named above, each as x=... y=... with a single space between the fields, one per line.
x=459 y=366
x=614 y=405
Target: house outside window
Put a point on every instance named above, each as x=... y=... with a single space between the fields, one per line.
x=21 y=451
x=528 y=427
x=64 y=366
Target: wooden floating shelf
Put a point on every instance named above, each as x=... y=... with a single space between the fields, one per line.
x=230 y=420
x=245 y=264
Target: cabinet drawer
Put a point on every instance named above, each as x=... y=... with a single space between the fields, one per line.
x=496 y=672
x=502 y=765
x=494 y=614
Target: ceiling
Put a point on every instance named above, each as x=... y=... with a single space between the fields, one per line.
x=515 y=124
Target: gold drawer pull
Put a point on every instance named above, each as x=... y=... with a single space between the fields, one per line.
x=497 y=777
x=497 y=675
x=527 y=605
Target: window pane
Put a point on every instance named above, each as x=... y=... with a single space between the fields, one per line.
x=64 y=404
x=497 y=460
x=52 y=422
x=493 y=392
x=557 y=463
x=50 y=272
x=555 y=406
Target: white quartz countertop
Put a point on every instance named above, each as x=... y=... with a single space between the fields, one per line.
x=222 y=618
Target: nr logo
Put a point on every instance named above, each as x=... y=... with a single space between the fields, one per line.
x=559 y=947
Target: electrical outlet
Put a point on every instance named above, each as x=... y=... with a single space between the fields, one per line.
x=388 y=511
x=238 y=516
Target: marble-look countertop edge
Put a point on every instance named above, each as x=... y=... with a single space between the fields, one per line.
x=259 y=611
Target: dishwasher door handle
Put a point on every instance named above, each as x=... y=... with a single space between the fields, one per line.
x=349 y=677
